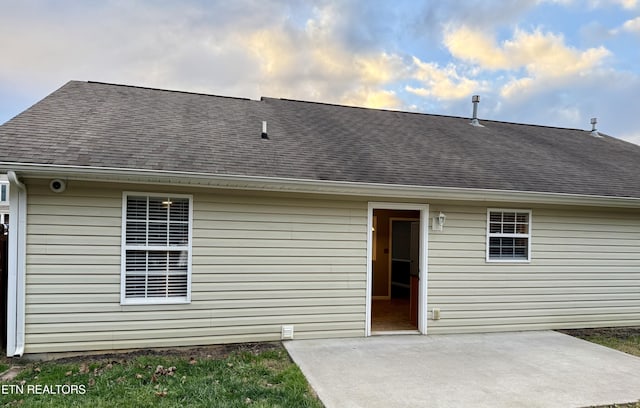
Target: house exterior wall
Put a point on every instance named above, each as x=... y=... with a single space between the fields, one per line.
x=258 y=262
x=264 y=260
x=584 y=271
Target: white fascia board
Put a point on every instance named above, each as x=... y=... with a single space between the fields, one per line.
x=261 y=183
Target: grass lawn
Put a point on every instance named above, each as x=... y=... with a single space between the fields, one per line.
x=626 y=339
x=255 y=375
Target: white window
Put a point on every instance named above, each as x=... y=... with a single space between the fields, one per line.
x=156 y=248
x=508 y=235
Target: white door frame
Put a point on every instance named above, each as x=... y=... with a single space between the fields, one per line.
x=423 y=257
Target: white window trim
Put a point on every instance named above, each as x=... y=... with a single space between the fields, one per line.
x=124 y=247
x=528 y=236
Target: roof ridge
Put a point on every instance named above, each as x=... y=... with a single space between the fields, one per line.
x=423 y=113
x=333 y=104
x=169 y=90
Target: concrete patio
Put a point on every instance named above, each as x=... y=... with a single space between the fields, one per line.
x=521 y=369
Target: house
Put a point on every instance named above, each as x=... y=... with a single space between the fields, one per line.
x=152 y=218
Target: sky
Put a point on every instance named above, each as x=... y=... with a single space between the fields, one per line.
x=546 y=62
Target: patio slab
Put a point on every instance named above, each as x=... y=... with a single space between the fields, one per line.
x=519 y=369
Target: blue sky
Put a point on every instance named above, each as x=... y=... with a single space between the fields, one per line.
x=548 y=62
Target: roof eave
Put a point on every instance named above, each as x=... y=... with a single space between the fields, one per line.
x=257 y=183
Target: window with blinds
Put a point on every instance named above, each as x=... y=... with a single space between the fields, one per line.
x=508 y=235
x=156 y=249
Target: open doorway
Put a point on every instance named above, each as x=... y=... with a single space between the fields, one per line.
x=395 y=270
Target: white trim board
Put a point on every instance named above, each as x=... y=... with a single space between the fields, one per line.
x=423 y=259
x=258 y=183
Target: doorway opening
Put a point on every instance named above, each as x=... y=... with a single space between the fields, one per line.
x=396 y=259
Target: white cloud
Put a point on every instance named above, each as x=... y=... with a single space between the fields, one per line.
x=629 y=26
x=441 y=83
x=372 y=98
x=544 y=57
x=517 y=87
x=632 y=25
x=311 y=65
x=380 y=68
x=476 y=47
x=219 y=50
x=626 y=4
x=593 y=4
x=539 y=53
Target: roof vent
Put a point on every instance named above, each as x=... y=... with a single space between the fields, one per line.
x=594 y=131
x=264 y=130
x=475 y=99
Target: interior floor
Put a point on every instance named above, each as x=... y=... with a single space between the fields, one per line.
x=391 y=315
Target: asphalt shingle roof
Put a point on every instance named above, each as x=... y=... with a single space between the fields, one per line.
x=116 y=126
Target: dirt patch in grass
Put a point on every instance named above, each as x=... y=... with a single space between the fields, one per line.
x=209 y=352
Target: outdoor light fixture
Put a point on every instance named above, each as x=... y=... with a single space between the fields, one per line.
x=438 y=221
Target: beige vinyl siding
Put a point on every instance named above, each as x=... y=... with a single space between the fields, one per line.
x=584 y=272
x=258 y=262
x=264 y=260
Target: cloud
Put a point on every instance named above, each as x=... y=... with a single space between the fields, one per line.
x=285 y=49
x=603 y=93
x=539 y=53
x=309 y=64
x=517 y=87
x=632 y=25
x=594 y=4
x=543 y=58
x=629 y=26
x=626 y=4
x=125 y=42
x=372 y=98
x=434 y=16
x=380 y=68
x=629 y=4
x=367 y=53
x=441 y=83
x=476 y=47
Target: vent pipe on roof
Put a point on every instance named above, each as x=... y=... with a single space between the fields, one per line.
x=475 y=99
x=264 y=130
x=594 y=131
